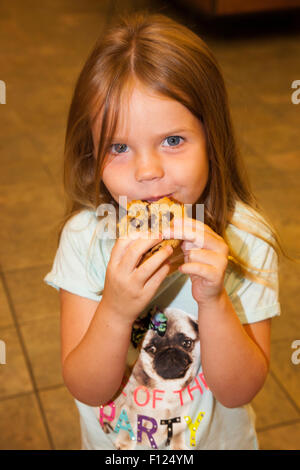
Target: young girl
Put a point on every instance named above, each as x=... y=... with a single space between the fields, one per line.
x=157 y=360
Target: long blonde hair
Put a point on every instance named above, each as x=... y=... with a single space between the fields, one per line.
x=173 y=61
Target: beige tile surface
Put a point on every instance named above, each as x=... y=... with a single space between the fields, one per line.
x=62 y=417
x=6 y=318
x=285 y=370
x=21 y=163
x=14 y=375
x=262 y=139
x=21 y=424
x=28 y=218
x=42 y=341
x=32 y=299
x=280 y=438
x=287 y=325
x=273 y=406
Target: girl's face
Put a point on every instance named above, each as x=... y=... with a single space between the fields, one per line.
x=159 y=149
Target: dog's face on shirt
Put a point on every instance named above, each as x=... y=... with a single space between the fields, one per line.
x=169 y=357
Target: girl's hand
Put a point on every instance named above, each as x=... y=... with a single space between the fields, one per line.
x=205 y=256
x=128 y=289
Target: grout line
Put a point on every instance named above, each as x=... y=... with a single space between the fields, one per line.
x=284 y=390
x=22 y=394
x=52 y=387
x=27 y=359
x=278 y=425
x=17 y=395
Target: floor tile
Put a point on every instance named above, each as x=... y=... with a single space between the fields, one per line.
x=262 y=138
x=42 y=341
x=289 y=322
x=21 y=425
x=14 y=375
x=53 y=155
x=6 y=318
x=280 y=438
x=32 y=299
x=272 y=406
x=62 y=417
x=283 y=368
x=24 y=242
x=285 y=204
x=20 y=162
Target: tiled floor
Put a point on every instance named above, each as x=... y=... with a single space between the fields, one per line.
x=43 y=47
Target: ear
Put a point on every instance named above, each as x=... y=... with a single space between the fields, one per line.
x=194 y=325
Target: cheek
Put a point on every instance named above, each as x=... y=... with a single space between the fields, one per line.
x=116 y=178
x=195 y=176
x=106 y=177
x=109 y=179
x=202 y=170
x=201 y=163
x=196 y=169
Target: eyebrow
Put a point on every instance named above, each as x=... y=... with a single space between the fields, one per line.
x=164 y=134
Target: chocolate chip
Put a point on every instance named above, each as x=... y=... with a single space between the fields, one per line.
x=169 y=216
x=136 y=223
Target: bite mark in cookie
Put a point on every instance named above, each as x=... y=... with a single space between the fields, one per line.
x=153 y=217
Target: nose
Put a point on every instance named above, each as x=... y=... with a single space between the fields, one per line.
x=148 y=167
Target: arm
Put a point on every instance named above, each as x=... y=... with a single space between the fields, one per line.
x=235 y=358
x=95 y=336
x=94 y=348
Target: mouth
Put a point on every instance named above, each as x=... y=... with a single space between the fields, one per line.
x=153 y=199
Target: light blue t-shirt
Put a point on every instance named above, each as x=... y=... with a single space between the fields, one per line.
x=165 y=402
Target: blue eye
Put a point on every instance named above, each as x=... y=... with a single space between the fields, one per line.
x=118 y=148
x=173 y=140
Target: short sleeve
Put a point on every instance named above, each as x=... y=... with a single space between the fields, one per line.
x=254 y=301
x=71 y=269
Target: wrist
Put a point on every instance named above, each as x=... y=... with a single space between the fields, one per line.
x=114 y=316
x=214 y=304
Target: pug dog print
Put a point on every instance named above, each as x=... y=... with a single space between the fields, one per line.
x=150 y=409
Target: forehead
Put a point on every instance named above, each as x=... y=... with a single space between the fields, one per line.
x=142 y=108
x=145 y=108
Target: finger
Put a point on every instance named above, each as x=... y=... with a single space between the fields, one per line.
x=196 y=234
x=206 y=271
x=119 y=248
x=184 y=229
x=146 y=270
x=135 y=244
x=157 y=278
x=135 y=251
x=210 y=257
x=195 y=239
x=186 y=234
x=195 y=224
